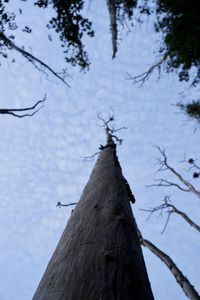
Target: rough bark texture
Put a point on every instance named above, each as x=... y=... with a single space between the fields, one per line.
x=99 y=256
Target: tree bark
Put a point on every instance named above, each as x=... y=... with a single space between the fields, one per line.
x=99 y=255
x=113 y=24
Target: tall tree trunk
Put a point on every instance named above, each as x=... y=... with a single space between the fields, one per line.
x=99 y=254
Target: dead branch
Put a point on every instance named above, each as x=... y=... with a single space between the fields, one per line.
x=196 y=166
x=59 y=204
x=113 y=24
x=169 y=208
x=110 y=130
x=184 y=283
x=105 y=123
x=36 y=62
x=91 y=157
x=16 y=112
x=109 y=134
x=142 y=78
x=165 y=166
x=185 y=217
x=164 y=182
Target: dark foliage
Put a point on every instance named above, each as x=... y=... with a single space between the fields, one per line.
x=191 y=109
x=68 y=23
x=7 y=21
x=177 y=20
x=125 y=9
x=71 y=27
x=179 y=23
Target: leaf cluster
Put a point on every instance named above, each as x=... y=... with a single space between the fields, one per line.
x=7 y=21
x=180 y=25
x=191 y=109
x=68 y=23
x=71 y=27
x=177 y=21
x=125 y=9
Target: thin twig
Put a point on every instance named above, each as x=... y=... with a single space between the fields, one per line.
x=109 y=134
x=170 y=208
x=164 y=182
x=89 y=158
x=110 y=130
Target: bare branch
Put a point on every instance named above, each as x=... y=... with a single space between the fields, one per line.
x=59 y=204
x=164 y=182
x=182 y=280
x=109 y=133
x=196 y=166
x=105 y=123
x=191 y=162
x=110 y=130
x=118 y=129
x=38 y=64
x=166 y=223
x=165 y=166
x=186 y=218
x=145 y=76
x=16 y=111
x=160 y=208
x=170 y=208
x=91 y=157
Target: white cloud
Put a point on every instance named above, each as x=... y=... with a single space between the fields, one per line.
x=41 y=164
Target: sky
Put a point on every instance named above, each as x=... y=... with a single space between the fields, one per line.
x=42 y=157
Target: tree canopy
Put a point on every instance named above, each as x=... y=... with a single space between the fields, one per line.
x=176 y=21
x=179 y=23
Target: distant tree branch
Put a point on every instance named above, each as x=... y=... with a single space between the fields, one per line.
x=170 y=208
x=165 y=166
x=19 y=112
x=38 y=64
x=145 y=76
x=113 y=24
x=184 y=283
x=164 y=182
x=195 y=165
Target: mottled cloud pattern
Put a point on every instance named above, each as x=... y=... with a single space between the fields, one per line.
x=41 y=160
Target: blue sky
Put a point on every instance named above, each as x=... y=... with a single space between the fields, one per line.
x=41 y=156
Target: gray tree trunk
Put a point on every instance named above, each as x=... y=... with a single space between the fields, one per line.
x=99 y=256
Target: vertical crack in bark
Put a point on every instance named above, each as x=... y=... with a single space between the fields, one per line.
x=117 y=265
